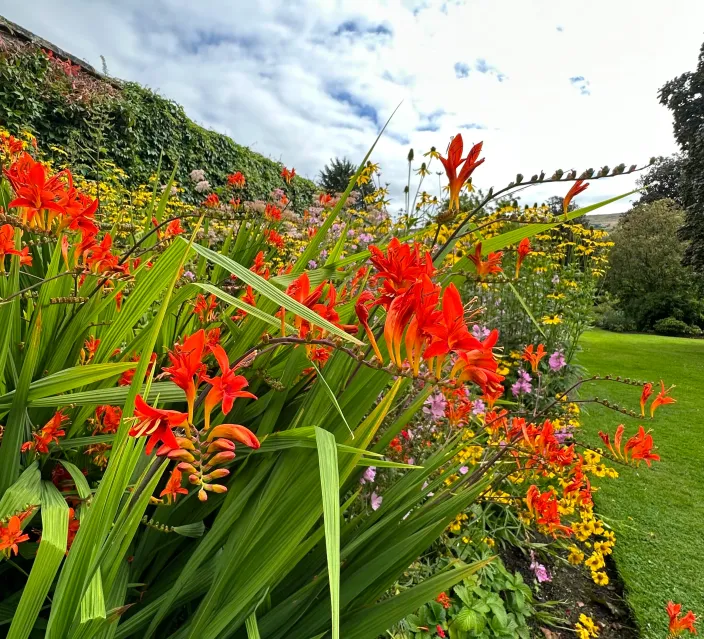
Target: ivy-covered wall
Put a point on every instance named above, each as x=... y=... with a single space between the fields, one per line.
x=93 y=118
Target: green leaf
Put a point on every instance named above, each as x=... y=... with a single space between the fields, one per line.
x=330 y=486
x=525 y=308
x=332 y=397
x=166 y=392
x=252 y=628
x=268 y=290
x=82 y=487
x=26 y=491
x=51 y=552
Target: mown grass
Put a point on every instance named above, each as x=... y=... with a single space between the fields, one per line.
x=658 y=513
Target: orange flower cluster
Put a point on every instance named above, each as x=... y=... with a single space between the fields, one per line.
x=544 y=507
x=459 y=169
x=11 y=534
x=637 y=448
x=51 y=432
x=288 y=175
x=200 y=450
x=489 y=266
x=430 y=329
x=236 y=180
x=534 y=357
x=680 y=623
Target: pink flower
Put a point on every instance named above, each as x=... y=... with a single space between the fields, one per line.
x=368 y=476
x=540 y=571
x=522 y=384
x=478 y=407
x=464 y=470
x=557 y=361
x=376 y=501
x=435 y=406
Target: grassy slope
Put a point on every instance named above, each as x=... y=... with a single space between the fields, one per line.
x=658 y=514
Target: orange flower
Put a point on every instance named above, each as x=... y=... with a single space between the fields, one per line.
x=661 y=398
x=637 y=448
x=259 y=267
x=73 y=526
x=543 y=506
x=187 y=369
x=89 y=349
x=205 y=308
x=236 y=179
x=492 y=264
x=107 y=419
x=212 y=201
x=272 y=213
x=157 y=423
x=361 y=308
x=444 y=600
x=324 y=199
x=48 y=434
x=226 y=387
x=647 y=392
x=25 y=257
x=11 y=535
x=576 y=189
x=7 y=243
x=173 y=487
x=273 y=238
x=288 y=175
x=300 y=291
x=534 y=358
x=479 y=365
x=679 y=624
x=466 y=166
x=523 y=249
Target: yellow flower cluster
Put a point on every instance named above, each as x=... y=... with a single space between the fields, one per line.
x=456 y=525
x=586 y=628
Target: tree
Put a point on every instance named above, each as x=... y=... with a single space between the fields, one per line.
x=662 y=180
x=646 y=271
x=684 y=96
x=335 y=176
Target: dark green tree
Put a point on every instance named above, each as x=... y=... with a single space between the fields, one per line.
x=646 y=272
x=684 y=96
x=335 y=176
x=662 y=180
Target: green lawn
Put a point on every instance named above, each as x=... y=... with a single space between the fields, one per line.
x=658 y=513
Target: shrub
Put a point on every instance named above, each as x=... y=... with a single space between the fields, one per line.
x=673 y=326
x=615 y=320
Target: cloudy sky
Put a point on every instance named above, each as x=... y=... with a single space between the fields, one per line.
x=545 y=84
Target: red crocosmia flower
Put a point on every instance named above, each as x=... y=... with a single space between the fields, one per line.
x=212 y=201
x=534 y=358
x=236 y=179
x=259 y=267
x=364 y=302
x=327 y=311
x=459 y=169
x=662 y=398
x=101 y=258
x=11 y=535
x=187 y=369
x=205 y=308
x=107 y=419
x=90 y=347
x=288 y=175
x=426 y=315
x=7 y=243
x=680 y=624
x=272 y=213
x=300 y=291
x=492 y=264
x=35 y=192
x=73 y=526
x=25 y=257
x=212 y=338
x=226 y=387
x=399 y=268
x=637 y=448
x=157 y=424
x=173 y=487
x=248 y=297
x=491 y=395
x=450 y=332
x=51 y=432
x=273 y=238
x=324 y=199
x=479 y=365
x=647 y=392
x=523 y=249
x=173 y=228
x=397 y=318
x=543 y=506
x=576 y=189
x=234 y=432
x=79 y=210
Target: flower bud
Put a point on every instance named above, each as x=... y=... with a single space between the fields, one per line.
x=185 y=443
x=180 y=454
x=186 y=467
x=218 y=473
x=215 y=488
x=220 y=458
x=221 y=444
x=202 y=495
x=194 y=479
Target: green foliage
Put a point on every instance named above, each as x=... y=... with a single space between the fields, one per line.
x=646 y=272
x=673 y=326
x=131 y=126
x=662 y=181
x=684 y=96
x=335 y=176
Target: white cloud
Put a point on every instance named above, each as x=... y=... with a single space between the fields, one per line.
x=305 y=81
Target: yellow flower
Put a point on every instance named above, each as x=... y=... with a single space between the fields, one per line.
x=595 y=561
x=551 y=320
x=576 y=556
x=587 y=623
x=600 y=578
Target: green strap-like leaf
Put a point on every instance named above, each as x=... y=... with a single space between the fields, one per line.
x=51 y=551
x=26 y=491
x=252 y=627
x=330 y=486
x=268 y=290
x=522 y=302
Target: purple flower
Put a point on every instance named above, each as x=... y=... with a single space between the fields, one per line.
x=478 y=407
x=376 y=501
x=540 y=571
x=312 y=264
x=480 y=332
x=323 y=254
x=366 y=237
x=369 y=475
x=563 y=434
x=557 y=361
x=190 y=275
x=522 y=384
x=464 y=470
x=411 y=461
x=435 y=406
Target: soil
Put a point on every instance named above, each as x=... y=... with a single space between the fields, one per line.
x=574 y=593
